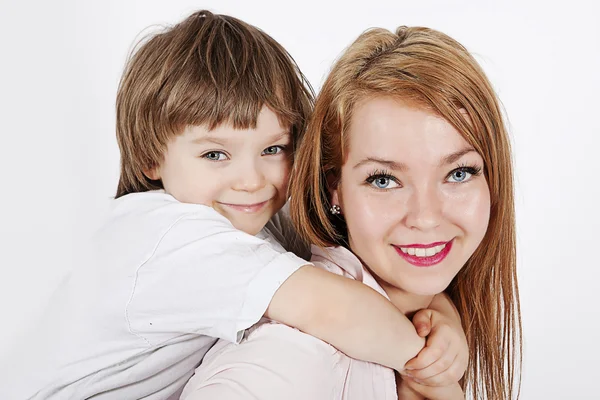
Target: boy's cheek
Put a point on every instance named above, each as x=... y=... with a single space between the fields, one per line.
x=281 y=175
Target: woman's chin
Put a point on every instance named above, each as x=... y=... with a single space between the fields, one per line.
x=426 y=288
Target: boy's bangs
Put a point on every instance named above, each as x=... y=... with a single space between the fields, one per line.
x=230 y=73
x=240 y=107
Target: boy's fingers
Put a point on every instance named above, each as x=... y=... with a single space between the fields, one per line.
x=405 y=392
x=430 y=354
x=422 y=322
x=449 y=392
x=461 y=363
x=441 y=373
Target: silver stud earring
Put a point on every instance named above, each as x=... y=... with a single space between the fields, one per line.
x=335 y=209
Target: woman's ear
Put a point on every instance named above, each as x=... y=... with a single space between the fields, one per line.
x=333 y=186
x=334 y=197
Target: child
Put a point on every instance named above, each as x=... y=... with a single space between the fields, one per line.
x=208 y=114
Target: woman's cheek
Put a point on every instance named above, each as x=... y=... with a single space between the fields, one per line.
x=481 y=207
x=370 y=215
x=469 y=208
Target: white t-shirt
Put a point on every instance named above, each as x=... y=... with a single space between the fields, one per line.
x=275 y=361
x=163 y=280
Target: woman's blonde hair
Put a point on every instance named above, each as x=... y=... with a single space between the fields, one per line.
x=433 y=71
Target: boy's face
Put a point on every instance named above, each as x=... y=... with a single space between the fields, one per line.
x=242 y=174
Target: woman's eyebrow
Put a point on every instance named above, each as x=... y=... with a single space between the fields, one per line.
x=396 y=166
x=452 y=158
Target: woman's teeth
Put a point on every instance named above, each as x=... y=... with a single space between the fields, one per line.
x=421 y=252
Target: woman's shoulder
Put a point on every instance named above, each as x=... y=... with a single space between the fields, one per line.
x=341 y=261
x=273 y=361
x=338 y=260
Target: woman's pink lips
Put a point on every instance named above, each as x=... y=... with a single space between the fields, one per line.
x=422 y=246
x=426 y=261
x=247 y=208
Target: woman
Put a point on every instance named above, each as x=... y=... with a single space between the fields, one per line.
x=403 y=181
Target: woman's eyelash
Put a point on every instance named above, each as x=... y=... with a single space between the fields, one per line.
x=474 y=170
x=378 y=173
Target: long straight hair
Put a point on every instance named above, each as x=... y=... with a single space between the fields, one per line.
x=435 y=72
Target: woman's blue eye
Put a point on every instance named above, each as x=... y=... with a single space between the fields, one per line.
x=459 y=175
x=382 y=182
x=215 y=156
x=272 y=150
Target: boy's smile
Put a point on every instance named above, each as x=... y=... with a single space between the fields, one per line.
x=242 y=173
x=246 y=208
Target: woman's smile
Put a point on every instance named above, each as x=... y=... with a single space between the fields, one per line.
x=425 y=255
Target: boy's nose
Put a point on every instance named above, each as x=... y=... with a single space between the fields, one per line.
x=249 y=179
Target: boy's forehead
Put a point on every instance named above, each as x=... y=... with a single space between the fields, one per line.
x=225 y=133
x=266 y=124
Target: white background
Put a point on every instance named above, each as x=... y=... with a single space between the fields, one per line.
x=60 y=63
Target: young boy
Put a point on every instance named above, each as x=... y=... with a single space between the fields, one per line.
x=208 y=114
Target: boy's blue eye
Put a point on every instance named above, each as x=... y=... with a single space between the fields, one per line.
x=272 y=150
x=215 y=156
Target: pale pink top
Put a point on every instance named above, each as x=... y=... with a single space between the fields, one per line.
x=275 y=361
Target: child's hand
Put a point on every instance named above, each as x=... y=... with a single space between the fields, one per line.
x=408 y=389
x=405 y=392
x=443 y=361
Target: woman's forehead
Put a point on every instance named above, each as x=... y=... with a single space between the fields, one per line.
x=389 y=129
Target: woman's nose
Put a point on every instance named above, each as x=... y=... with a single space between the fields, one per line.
x=424 y=210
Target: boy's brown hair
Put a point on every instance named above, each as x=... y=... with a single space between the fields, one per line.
x=207 y=70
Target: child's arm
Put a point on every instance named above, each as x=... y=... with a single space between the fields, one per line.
x=206 y=277
x=444 y=359
x=347 y=314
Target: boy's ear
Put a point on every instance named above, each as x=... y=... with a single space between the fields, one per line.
x=152 y=173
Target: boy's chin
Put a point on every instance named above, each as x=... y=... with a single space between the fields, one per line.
x=251 y=224
x=252 y=227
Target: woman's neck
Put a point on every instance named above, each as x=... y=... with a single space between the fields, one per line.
x=406 y=302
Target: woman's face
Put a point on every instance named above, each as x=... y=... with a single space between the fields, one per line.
x=413 y=194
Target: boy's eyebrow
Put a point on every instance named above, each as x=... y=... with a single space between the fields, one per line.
x=210 y=139
x=221 y=142
x=280 y=136
x=396 y=166
x=452 y=158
